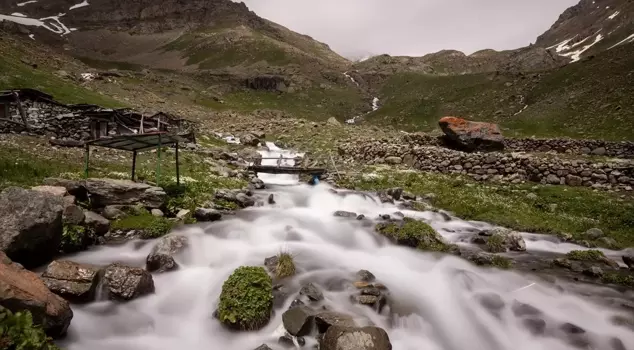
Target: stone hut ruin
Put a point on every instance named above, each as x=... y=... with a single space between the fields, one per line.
x=34 y=112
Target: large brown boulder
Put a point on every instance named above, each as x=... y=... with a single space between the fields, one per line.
x=72 y=281
x=21 y=290
x=472 y=136
x=30 y=225
x=105 y=192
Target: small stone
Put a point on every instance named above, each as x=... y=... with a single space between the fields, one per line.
x=311 y=292
x=73 y=215
x=298 y=321
x=207 y=215
x=593 y=271
x=271 y=199
x=365 y=276
x=327 y=319
x=345 y=214
x=182 y=213
x=98 y=223
x=157 y=213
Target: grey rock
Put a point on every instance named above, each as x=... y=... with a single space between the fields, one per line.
x=594 y=233
x=249 y=140
x=126 y=283
x=393 y=160
x=311 y=292
x=365 y=276
x=31 y=225
x=271 y=199
x=161 y=258
x=628 y=260
x=573 y=180
x=58 y=191
x=112 y=212
x=157 y=213
x=298 y=321
x=98 y=223
x=74 y=187
x=348 y=338
x=257 y=183
x=105 y=192
x=263 y=347
x=593 y=271
x=553 y=179
x=73 y=215
x=395 y=193
x=599 y=151
x=207 y=215
x=327 y=319
x=345 y=214
x=182 y=214
x=72 y=281
x=244 y=201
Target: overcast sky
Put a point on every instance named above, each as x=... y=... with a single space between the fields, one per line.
x=356 y=28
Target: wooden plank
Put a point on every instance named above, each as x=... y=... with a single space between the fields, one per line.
x=272 y=169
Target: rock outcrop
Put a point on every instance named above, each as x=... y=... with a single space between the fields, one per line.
x=105 y=192
x=471 y=136
x=72 y=281
x=21 y=289
x=30 y=225
x=161 y=258
x=126 y=283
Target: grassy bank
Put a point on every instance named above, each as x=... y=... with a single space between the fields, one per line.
x=551 y=209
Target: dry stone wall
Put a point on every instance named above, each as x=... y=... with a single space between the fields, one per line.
x=619 y=149
x=45 y=118
x=512 y=167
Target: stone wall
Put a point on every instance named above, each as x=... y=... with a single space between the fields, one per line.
x=495 y=166
x=620 y=149
x=50 y=119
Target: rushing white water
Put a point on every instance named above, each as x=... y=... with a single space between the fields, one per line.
x=435 y=305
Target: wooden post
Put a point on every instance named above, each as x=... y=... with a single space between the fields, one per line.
x=178 y=173
x=133 y=164
x=21 y=110
x=158 y=164
x=87 y=159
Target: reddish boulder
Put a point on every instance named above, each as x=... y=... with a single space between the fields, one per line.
x=21 y=289
x=472 y=136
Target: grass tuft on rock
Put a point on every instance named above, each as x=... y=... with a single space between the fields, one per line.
x=618 y=278
x=246 y=299
x=586 y=255
x=18 y=332
x=496 y=243
x=285 y=266
x=485 y=259
x=149 y=225
x=415 y=234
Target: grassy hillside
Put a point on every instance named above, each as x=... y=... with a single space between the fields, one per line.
x=590 y=99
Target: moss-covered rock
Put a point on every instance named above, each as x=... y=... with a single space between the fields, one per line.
x=246 y=300
x=496 y=243
x=415 y=234
x=150 y=226
x=592 y=256
x=618 y=278
x=281 y=265
x=493 y=260
x=17 y=331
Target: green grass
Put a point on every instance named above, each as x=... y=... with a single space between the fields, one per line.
x=14 y=74
x=578 y=209
x=590 y=99
x=618 y=278
x=415 y=234
x=102 y=64
x=149 y=225
x=246 y=299
x=495 y=244
x=285 y=266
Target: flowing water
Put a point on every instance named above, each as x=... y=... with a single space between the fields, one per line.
x=435 y=300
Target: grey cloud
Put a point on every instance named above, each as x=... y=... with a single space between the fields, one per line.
x=356 y=28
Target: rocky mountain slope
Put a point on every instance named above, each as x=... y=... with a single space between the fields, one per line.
x=219 y=55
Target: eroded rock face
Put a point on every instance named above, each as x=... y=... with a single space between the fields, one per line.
x=30 y=225
x=72 y=281
x=21 y=289
x=105 y=192
x=366 y=338
x=161 y=258
x=126 y=283
x=472 y=135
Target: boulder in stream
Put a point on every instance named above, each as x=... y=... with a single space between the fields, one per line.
x=30 y=225
x=21 y=289
x=298 y=321
x=501 y=240
x=161 y=258
x=126 y=283
x=365 y=338
x=207 y=215
x=98 y=223
x=312 y=292
x=327 y=319
x=246 y=300
x=72 y=281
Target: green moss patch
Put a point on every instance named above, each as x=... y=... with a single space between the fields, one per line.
x=18 y=332
x=415 y=234
x=493 y=260
x=618 y=278
x=586 y=255
x=496 y=243
x=150 y=226
x=246 y=299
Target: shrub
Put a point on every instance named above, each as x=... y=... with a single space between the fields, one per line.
x=246 y=299
x=18 y=332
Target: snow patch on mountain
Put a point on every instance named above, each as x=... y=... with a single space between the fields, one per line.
x=51 y=23
x=20 y=4
x=576 y=55
x=81 y=4
x=17 y=14
x=613 y=16
x=629 y=39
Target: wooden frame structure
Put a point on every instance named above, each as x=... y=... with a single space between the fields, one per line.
x=136 y=143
